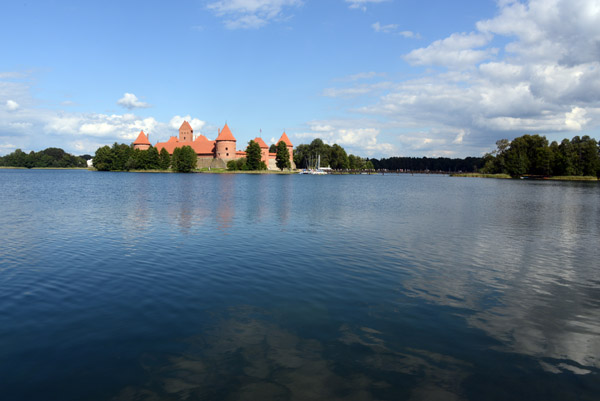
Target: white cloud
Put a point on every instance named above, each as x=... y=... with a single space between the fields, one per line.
x=575 y=119
x=456 y=51
x=11 y=105
x=355 y=136
x=459 y=138
x=545 y=80
x=196 y=123
x=130 y=101
x=21 y=126
x=250 y=14
x=361 y=76
x=356 y=90
x=362 y=4
x=377 y=27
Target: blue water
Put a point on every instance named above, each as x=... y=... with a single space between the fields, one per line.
x=124 y=286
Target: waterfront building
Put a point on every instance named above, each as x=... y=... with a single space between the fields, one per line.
x=214 y=154
x=142 y=142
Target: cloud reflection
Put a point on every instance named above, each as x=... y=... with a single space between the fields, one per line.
x=245 y=356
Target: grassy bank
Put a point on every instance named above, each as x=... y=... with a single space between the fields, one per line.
x=573 y=178
x=556 y=178
x=479 y=175
x=225 y=171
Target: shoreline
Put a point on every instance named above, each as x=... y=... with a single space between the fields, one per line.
x=506 y=176
x=43 y=168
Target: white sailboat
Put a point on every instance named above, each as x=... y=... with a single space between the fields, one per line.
x=314 y=171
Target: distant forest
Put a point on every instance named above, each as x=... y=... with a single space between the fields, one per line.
x=50 y=157
x=469 y=164
x=532 y=155
x=336 y=157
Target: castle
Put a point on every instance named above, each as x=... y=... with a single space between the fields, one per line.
x=214 y=154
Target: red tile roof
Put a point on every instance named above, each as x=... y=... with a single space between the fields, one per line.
x=202 y=147
x=185 y=125
x=285 y=139
x=260 y=142
x=142 y=139
x=225 y=135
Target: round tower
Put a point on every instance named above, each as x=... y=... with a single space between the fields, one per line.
x=225 y=144
x=290 y=147
x=142 y=142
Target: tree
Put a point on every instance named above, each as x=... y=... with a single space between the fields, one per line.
x=339 y=158
x=152 y=159
x=103 y=160
x=273 y=148
x=319 y=148
x=165 y=159
x=282 y=158
x=120 y=155
x=184 y=159
x=253 y=156
x=590 y=160
x=302 y=156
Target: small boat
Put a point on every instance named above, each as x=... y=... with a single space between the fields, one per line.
x=314 y=171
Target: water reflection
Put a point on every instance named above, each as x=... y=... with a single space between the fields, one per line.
x=524 y=276
x=246 y=356
x=284 y=200
x=225 y=199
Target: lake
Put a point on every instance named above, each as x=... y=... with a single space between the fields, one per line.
x=123 y=286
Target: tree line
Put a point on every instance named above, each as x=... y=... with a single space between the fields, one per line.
x=469 y=164
x=532 y=155
x=49 y=157
x=122 y=157
x=333 y=156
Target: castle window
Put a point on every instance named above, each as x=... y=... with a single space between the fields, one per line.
x=227 y=154
x=226 y=148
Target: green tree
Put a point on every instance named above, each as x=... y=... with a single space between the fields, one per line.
x=273 y=148
x=165 y=159
x=338 y=157
x=302 y=156
x=184 y=159
x=589 y=158
x=282 y=158
x=319 y=148
x=253 y=156
x=121 y=154
x=103 y=160
x=231 y=165
x=356 y=162
x=152 y=159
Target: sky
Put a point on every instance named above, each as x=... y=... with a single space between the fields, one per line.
x=379 y=77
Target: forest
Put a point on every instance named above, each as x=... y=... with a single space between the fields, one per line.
x=438 y=164
x=47 y=158
x=532 y=155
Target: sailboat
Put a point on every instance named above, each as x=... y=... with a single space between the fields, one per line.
x=314 y=171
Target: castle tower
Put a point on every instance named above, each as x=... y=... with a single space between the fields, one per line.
x=225 y=144
x=142 y=142
x=289 y=145
x=264 y=150
x=186 y=133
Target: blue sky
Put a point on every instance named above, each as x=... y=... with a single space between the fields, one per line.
x=379 y=77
